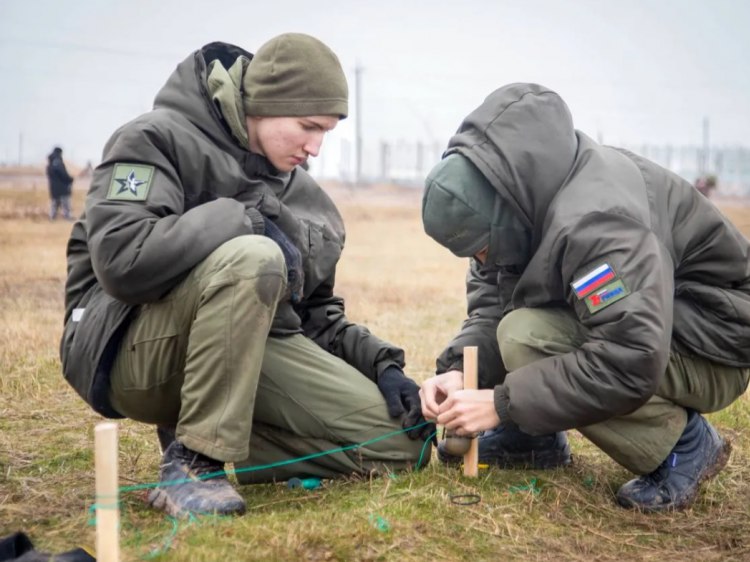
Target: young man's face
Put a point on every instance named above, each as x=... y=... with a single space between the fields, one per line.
x=288 y=141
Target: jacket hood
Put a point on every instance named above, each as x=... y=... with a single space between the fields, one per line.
x=186 y=92
x=522 y=139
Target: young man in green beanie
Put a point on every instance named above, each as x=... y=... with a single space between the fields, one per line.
x=605 y=294
x=200 y=293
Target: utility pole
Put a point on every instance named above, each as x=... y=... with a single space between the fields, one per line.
x=358 y=122
x=345 y=169
x=20 y=148
x=420 y=158
x=385 y=160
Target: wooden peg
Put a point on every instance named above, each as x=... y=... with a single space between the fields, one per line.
x=471 y=367
x=107 y=496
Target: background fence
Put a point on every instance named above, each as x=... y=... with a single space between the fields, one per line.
x=408 y=162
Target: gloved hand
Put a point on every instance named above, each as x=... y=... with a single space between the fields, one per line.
x=292 y=257
x=402 y=397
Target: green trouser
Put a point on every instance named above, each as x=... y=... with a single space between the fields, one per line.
x=310 y=401
x=641 y=440
x=201 y=359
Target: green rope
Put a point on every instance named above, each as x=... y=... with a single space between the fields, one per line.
x=282 y=463
x=158 y=551
x=377 y=521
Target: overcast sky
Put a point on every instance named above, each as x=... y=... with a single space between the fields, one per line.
x=632 y=71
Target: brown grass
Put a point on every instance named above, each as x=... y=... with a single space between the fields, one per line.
x=407 y=290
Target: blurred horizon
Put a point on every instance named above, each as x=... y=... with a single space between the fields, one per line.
x=666 y=78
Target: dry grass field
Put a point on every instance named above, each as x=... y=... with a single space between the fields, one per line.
x=407 y=290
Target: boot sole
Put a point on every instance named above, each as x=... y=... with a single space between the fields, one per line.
x=722 y=457
x=159 y=499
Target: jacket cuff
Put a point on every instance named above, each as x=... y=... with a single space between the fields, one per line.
x=457 y=365
x=502 y=404
x=384 y=366
x=257 y=221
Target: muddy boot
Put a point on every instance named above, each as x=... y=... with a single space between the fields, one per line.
x=699 y=454
x=507 y=446
x=194 y=483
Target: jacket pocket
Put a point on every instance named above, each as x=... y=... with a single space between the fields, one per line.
x=713 y=322
x=84 y=340
x=324 y=252
x=154 y=347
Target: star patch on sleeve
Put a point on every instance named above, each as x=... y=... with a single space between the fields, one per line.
x=130 y=182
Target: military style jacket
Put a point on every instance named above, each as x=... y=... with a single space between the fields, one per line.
x=646 y=262
x=174 y=185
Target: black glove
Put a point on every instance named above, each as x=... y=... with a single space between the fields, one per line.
x=292 y=257
x=402 y=397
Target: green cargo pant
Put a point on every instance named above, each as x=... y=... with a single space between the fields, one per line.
x=641 y=440
x=201 y=359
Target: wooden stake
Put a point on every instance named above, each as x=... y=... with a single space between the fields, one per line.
x=107 y=497
x=471 y=367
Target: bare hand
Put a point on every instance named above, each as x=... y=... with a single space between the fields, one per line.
x=466 y=412
x=435 y=390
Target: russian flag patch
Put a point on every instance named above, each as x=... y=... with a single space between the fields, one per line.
x=593 y=280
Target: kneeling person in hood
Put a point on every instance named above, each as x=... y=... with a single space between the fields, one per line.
x=605 y=293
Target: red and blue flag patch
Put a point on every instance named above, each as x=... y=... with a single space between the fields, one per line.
x=593 y=280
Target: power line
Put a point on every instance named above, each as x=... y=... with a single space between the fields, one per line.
x=92 y=49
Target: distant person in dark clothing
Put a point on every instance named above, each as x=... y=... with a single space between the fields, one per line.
x=60 y=182
x=706 y=184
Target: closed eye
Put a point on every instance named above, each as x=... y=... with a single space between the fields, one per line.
x=310 y=125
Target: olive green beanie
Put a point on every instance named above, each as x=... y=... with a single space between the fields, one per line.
x=458 y=205
x=295 y=75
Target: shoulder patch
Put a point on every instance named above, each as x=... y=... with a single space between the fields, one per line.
x=609 y=294
x=130 y=182
x=592 y=280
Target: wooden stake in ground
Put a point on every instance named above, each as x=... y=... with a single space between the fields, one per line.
x=107 y=497
x=471 y=366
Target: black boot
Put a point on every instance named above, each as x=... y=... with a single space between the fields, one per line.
x=166 y=434
x=194 y=483
x=699 y=454
x=507 y=446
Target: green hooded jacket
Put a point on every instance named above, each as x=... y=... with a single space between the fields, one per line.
x=203 y=189
x=681 y=269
